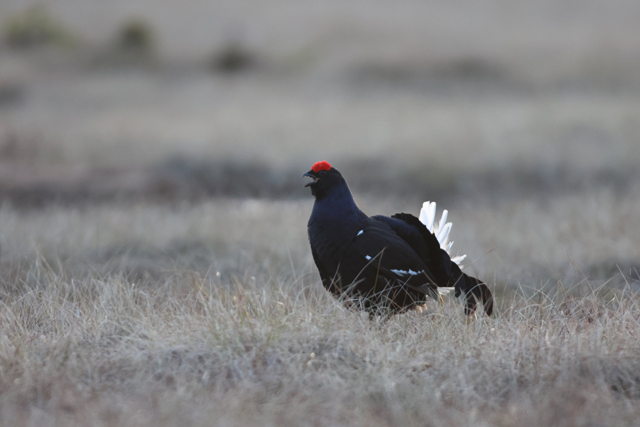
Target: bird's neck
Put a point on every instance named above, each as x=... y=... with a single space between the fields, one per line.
x=337 y=211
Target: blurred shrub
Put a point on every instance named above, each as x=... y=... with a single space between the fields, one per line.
x=133 y=44
x=34 y=27
x=135 y=35
x=232 y=58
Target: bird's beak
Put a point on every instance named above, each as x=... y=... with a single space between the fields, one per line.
x=311 y=174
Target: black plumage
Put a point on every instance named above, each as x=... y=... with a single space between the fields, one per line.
x=385 y=264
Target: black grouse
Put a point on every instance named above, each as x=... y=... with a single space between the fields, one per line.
x=383 y=264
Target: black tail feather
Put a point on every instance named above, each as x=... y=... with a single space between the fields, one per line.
x=474 y=291
x=446 y=272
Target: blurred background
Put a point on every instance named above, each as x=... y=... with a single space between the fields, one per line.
x=171 y=100
x=151 y=154
x=521 y=117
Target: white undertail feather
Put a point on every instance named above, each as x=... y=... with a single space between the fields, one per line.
x=441 y=230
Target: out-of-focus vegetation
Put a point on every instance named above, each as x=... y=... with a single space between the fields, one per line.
x=430 y=110
x=233 y=57
x=154 y=268
x=36 y=27
x=134 y=44
x=212 y=314
x=136 y=35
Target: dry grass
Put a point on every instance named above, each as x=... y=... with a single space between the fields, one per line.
x=103 y=351
x=147 y=315
x=520 y=117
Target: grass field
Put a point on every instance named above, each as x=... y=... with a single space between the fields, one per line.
x=154 y=263
x=212 y=314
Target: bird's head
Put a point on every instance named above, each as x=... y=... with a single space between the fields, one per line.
x=324 y=178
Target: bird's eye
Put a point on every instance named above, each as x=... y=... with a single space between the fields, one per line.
x=323 y=173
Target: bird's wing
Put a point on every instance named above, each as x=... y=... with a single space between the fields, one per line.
x=390 y=256
x=421 y=240
x=444 y=271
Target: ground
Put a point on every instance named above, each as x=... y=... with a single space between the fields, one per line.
x=154 y=264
